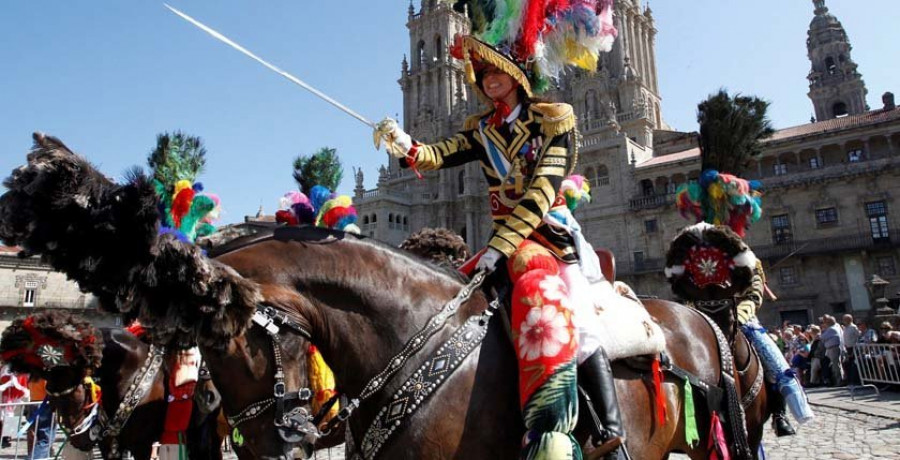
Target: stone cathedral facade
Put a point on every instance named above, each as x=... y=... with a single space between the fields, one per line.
x=830 y=225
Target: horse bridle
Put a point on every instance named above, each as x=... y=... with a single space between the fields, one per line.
x=96 y=424
x=272 y=320
x=297 y=421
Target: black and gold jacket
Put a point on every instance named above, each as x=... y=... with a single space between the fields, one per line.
x=537 y=146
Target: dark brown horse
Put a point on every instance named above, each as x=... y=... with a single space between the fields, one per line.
x=719 y=301
x=123 y=358
x=361 y=301
x=357 y=300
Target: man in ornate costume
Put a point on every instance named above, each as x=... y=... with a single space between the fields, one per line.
x=710 y=267
x=526 y=149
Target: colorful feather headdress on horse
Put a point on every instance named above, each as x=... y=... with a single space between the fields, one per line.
x=185 y=211
x=41 y=342
x=534 y=40
x=721 y=199
x=321 y=208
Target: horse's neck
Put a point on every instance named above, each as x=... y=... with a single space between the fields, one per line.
x=375 y=315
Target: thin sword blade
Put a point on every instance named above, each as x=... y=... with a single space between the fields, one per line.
x=272 y=67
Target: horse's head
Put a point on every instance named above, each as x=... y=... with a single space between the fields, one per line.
x=357 y=300
x=65 y=350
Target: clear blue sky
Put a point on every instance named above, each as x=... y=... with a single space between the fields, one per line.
x=107 y=76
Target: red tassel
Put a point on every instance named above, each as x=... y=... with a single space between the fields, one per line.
x=136 y=329
x=182 y=205
x=716 y=448
x=660 y=397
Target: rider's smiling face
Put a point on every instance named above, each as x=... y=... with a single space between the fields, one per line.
x=496 y=83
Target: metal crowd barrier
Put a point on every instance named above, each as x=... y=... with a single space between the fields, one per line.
x=14 y=418
x=877 y=364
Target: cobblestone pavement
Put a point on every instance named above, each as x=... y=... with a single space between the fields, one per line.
x=836 y=434
x=865 y=429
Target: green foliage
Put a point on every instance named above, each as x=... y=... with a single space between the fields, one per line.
x=177 y=156
x=731 y=129
x=321 y=168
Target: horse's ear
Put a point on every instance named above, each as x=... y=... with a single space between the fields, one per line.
x=43 y=141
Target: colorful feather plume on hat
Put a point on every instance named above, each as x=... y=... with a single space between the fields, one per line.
x=545 y=35
x=185 y=211
x=721 y=199
x=321 y=208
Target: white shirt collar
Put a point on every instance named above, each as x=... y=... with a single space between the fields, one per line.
x=514 y=114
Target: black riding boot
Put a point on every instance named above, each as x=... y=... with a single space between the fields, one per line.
x=595 y=381
x=780 y=421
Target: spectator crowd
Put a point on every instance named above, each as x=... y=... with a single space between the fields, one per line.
x=822 y=354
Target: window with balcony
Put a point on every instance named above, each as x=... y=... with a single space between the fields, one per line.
x=650 y=226
x=780 y=169
x=814 y=163
x=854 y=156
x=787 y=276
x=602 y=175
x=826 y=216
x=461 y=183
x=647 y=187
x=30 y=293
x=781 y=229
x=638 y=258
x=876 y=211
x=886 y=266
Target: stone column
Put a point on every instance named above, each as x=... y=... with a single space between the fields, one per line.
x=819 y=157
x=470 y=230
x=652 y=45
x=645 y=53
x=867 y=149
x=891 y=147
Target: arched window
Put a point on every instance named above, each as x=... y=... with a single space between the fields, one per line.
x=365 y=220
x=438 y=48
x=602 y=175
x=420 y=53
x=405 y=223
x=461 y=183
x=590 y=105
x=591 y=176
x=391 y=221
x=839 y=109
x=374 y=218
x=830 y=66
x=647 y=187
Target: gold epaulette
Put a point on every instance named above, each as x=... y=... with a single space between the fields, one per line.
x=472 y=122
x=559 y=118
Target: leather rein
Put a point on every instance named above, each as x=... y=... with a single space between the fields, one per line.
x=298 y=420
x=96 y=424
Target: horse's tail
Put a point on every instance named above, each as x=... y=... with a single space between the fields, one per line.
x=105 y=236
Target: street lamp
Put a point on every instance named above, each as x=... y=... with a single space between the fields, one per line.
x=876 y=287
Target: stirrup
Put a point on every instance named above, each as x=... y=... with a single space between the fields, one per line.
x=608 y=446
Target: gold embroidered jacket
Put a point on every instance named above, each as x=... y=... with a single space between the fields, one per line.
x=536 y=146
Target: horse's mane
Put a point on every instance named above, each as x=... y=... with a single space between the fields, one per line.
x=105 y=236
x=319 y=235
x=74 y=336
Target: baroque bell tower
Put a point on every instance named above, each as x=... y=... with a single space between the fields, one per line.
x=836 y=87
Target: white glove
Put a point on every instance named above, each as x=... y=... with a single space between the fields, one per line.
x=488 y=260
x=397 y=141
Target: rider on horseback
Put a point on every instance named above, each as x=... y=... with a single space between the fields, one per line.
x=526 y=149
x=710 y=267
